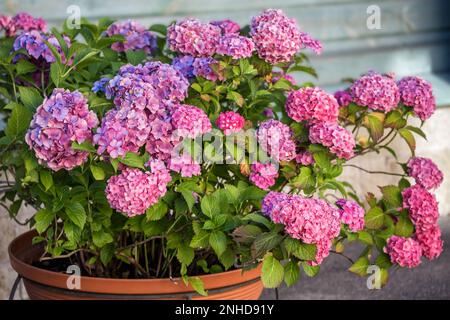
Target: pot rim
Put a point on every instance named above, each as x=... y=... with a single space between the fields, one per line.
x=21 y=246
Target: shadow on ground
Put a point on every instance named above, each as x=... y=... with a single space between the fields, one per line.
x=431 y=280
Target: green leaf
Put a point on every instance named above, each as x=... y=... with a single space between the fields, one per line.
x=304 y=180
x=218 y=241
x=409 y=138
x=24 y=66
x=55 y=73
x=394 y=120
x=132 y=160
x=258 y=219
x=30 y=97
x=365 y=237
x=97 y=172
x=374 y=218
x=383 y=261
x=310 y=271
x=322 y=160
x=360 y=266
x=43 y=219
x=107 y=253
x=291 y=273
x=246 y=234
x=227 y=258
x=101 y=238
x=392 y=195
x=18 y=122
x=46 y=179
x=136 y=57
x=159 y=28
x=265 y=242
x=272 y=271
x=417 y=131
x=157 y=211
x=76 y=213
x=302 y=251
x=197 y=285
x=374 y=123
x=200 y=240
x=236 y=97
x=185 y=254
x=84 y=146
x=404 y=227
x=209 y=206
x=73 y=232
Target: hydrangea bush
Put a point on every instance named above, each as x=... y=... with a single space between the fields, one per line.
x=188 y=149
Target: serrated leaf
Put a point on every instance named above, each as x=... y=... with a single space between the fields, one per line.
x=208 y=206
x=360 y=266
x=157 y=211
x=43 y=219
x=76 y=213
x=227 y=258
x=185 y=254
x=135 y=57
x=24 y=66
x=97 y=172
x=200 y=240
x=291 y=273
x=409 y=138
x=218 y=241
x=392 y=195
x=404 y=227
x=198 y=286
x=46 y=179
x=374 y=218
x=310 y=271
x=18 y=122
x=272 y=271
x=84 y=146
x=374 y=123
x=30 y=97
x=132 y=160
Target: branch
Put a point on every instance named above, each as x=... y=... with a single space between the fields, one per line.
x=375 y=172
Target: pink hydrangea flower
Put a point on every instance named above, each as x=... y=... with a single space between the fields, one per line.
x=62 y=118
x=263 y=175
x=343 y=98
x=192 y=37
x=136 y=36
x=122 y=130
x=134 y=191
x=336 y=138
x=277 y=38
x=422 y=207
x=277 y=140
x=304 y=158
x=322 y=251
x=430 y=242
x=190 y=121
x=406 y=252
x=425 y=172
x=235 y=46
x=160 y=141
x=227 y=26
x=230 y=122
x=418 y=94
x=312 y=103
x=352 y=214
x=21 y=22
x=184 y=165
x=376 y=92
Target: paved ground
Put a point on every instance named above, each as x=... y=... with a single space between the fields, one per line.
x=431 y=280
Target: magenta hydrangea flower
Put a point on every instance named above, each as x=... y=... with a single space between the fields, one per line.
x=425 y=172
x=62 y=118
x=418 y=94
x=304 y=158
x=277 y=38
x=190 y=121
x=34 y=43
x=343 y=98
x=192 y=37
x=134 y=191
x=312 y=103
x=322 y=251
x=351 y=214
x=422 y=207
x=147 y=86
x=136 y=37
x=160 y=141
x=21 y=22
x=227 y=26
x=263 y=175
x=122 y=130
x=376 y=92
x=202 y=68
x=336 y=138
x=185 y=165
x=235 y=46
x=270 y=202
x=276 y=138
x=230 y=122
x=431 y=242
x=406 y=252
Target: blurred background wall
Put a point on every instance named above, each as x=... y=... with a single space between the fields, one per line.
x=413 y=38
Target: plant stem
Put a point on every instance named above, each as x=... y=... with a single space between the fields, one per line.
x=375 y=172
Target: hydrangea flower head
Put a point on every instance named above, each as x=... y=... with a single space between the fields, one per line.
x=190 y=121
x=343 y=98
x=122 y=130
x=406 y=252
x=336 y=138
x=202 y=68
x=304 y=158
x=422 y=207
x=184 y=64
x=185 y=165
x=230 y=122
x=277 y=38
x=276 y=138
x=133 y=191
x=425 y=172
x=192 y=37
x=376 y=92
x=431 y=242
x=62 y=118
x=235 y=46
x=418 y=94
x=21 y=22
x=352 y=214
x=136 y=37
x=263 y=175
x=227 y=26
x=312 y=103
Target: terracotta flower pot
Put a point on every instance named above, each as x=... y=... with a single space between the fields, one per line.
x=45 y=284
